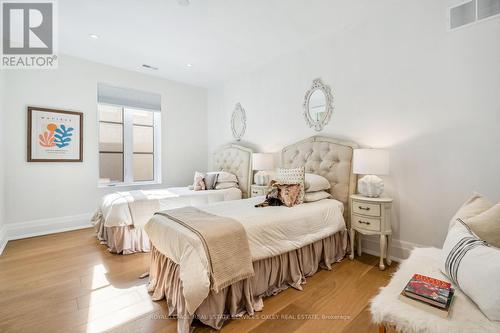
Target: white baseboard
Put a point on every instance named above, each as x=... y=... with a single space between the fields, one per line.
x=47 y=226
x=399 y=251
x=3 y=237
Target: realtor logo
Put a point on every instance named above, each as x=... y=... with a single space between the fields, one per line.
x=28 y=31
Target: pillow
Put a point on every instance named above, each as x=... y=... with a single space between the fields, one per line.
x=487 y=225
x=225 y=185
x=288 y=193
x=292 y=176
x=199 y=183
x=475 y=205
x=211 y=180
x=315 y=183
x=316 y=196
x=474 y=267
x=225 y=176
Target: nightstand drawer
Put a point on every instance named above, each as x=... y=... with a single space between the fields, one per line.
x=366 y=223
x=365 y=208
x=256 y=193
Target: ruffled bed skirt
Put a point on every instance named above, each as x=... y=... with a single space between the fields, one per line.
x=121 y=240
x=272 y=275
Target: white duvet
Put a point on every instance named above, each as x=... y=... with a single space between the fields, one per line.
x=271 y=231
x=116 y=207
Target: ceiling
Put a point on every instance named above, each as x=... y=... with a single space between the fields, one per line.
x=220 y=38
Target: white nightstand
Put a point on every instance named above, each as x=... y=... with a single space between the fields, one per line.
x=258 y=190
x=372 y=216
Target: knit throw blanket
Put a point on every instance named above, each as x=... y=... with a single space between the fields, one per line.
x=225 y=243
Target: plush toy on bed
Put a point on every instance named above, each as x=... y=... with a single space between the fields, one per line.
x=281 y=194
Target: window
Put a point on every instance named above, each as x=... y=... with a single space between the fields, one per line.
x=129 y=145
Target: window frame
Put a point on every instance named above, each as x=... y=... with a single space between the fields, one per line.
x=128 y=149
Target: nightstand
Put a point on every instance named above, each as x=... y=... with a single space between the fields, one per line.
x=258 y=190
x=372 y=216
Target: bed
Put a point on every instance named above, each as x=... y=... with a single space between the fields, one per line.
x=119 y=221
x=286 y=244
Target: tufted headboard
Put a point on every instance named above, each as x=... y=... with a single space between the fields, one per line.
x=327 y=157
x=237 y=160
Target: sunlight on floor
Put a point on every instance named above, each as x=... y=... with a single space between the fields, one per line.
x=109 y=306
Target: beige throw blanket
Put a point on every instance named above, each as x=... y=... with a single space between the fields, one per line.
x=225 y=243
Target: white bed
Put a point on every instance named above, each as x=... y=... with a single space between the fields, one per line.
x=286 y=243
x=271 y=231
x=121 y=216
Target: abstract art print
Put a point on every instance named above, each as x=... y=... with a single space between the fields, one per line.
x=54 y=135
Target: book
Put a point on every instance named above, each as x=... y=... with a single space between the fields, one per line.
x=441 y=312
x=428 y=290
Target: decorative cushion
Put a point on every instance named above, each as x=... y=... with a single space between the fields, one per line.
x=199 y=183
x=316 y=196
x=288 y=193
x=475 y=205
x=225 y=185
x=211 y=180
x=225 y=176
x=474 y=267
x=314 y=182
x=487 y=225
x=292 y=176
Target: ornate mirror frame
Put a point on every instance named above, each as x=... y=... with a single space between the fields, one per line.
x=238 y=109
x=319 y=85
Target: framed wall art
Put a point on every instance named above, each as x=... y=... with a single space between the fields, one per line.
x=54 y=135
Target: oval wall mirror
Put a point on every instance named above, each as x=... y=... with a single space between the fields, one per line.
x=318 y=105
x=238 y=122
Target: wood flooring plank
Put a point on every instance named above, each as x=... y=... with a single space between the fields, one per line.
x=69 y=282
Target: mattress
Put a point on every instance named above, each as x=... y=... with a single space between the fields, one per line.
x=271 y=231
x=116 y=212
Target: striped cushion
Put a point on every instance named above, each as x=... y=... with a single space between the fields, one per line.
x=474 y=267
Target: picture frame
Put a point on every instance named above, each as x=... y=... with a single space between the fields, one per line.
x=54 y=135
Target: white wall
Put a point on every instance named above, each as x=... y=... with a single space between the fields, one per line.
x=3 y=230
x=66 y=193
x=401 y=81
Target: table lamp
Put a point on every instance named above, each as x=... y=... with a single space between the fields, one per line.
x=262 y=162
x=371 y=162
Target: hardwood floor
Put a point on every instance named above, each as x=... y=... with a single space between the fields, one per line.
x=68 y=282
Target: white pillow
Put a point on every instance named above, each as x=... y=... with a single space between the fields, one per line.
x=225 y=176
x=315 y=183
x=316 y=196
x=198 y=182
x=475 y=205
x=487 y=225
x=474 y=267
x=225 y=185
x=292 y=176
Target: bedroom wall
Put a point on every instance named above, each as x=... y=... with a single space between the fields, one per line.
x=46 y=197
x=3 y=229
x=402 y=82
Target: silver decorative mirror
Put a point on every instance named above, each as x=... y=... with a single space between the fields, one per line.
x=318 y=105
x=238 y=122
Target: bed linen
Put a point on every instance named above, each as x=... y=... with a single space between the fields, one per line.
x=272 y=275
x=120 y=219
x=271 y=231
x=115 y=207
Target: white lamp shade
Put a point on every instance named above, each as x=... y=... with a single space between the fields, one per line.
x=262 y=161
x=371 y=162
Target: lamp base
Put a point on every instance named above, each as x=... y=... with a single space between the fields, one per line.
x=262 y=178
x=371 y=186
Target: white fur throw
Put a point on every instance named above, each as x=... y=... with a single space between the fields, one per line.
x=387 y=308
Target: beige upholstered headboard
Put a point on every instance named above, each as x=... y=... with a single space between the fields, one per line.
x=327 y=157
x=237 y=160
